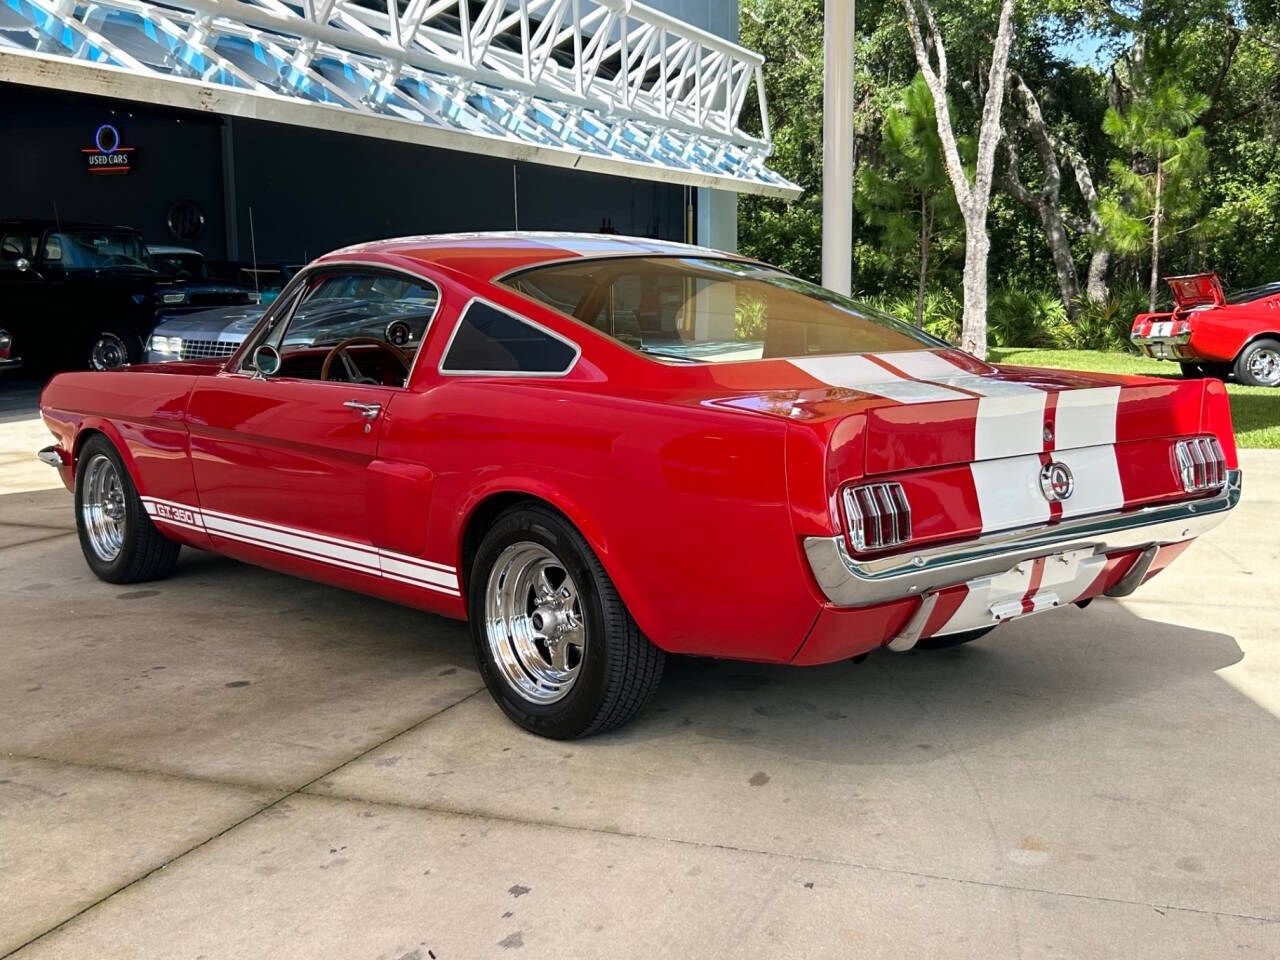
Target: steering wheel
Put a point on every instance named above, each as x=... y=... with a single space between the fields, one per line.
x=115 y=260
x=349 y=365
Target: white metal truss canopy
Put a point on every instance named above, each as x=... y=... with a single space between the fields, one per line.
x=602 y=85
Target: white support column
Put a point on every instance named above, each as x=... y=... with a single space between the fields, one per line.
x=837 y=146
x=717 y=225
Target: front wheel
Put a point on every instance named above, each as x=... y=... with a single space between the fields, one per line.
x=1259 y=364
x=557 y=648
x=119 y=541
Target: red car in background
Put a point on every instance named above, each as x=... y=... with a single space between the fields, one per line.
x=599 y=450
x=1211 y=334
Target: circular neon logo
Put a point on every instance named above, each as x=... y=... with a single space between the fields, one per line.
x=107 y=134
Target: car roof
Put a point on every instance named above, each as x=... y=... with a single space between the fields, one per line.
x=490 y=254
x=63 y=225
x=161 y=248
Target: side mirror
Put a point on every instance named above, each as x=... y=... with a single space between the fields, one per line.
x=23 y=264
x=266 y=361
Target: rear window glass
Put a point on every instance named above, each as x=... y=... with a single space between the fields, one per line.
x=489 y=340
x=701 y=309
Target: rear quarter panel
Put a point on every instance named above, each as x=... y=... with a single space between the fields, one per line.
x=1219 y=335
x=686 y=506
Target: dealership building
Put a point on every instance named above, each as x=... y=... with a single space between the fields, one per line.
x=276 y=131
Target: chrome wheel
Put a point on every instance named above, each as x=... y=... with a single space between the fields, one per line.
x=534 y=622
x=102 y=507
x=1264 y=366
x=108 y=352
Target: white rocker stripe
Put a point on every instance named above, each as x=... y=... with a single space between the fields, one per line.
x=320 y=548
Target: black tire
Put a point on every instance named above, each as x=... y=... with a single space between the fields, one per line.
x=952 y=639
x=618 y=669
x=1192 y=371
x=1247 y=363
x=144 y=553
x=112 y=349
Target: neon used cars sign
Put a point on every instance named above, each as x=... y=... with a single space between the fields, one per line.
x=107 y=155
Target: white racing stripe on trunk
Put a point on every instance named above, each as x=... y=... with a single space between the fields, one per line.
x=1010 y=414
x=859 y=373
x=1098 y=488
x=1008 y=425
x=1009 y=492
x=1086 y=418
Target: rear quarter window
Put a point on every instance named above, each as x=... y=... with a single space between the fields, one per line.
x=490 y=340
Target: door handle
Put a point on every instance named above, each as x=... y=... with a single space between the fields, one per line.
x=369 y=411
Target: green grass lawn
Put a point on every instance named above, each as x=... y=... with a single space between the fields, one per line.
x=1254 y=410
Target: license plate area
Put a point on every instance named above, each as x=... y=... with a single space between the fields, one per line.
x=1028 y=587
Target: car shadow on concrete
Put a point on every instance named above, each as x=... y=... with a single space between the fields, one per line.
x=1039 y=672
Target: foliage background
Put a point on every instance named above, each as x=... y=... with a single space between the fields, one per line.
x=1079 y=57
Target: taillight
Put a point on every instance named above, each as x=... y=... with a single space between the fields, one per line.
x=1181 y=327
x=1201 y=464
x=6 y=344
x=877 y=515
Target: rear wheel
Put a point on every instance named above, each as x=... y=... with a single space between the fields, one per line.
x=556 y=646
x=119 y=541
x=952 y=639
x=1259 y=364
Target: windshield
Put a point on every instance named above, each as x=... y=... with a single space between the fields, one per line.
x=96 y=250
x=703 y=310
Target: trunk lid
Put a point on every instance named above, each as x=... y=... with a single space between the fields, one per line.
x=1196 y=290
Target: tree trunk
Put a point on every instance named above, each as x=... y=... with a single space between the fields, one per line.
x=926 y=227
x=1096 y=288
x=973 y=332
x=1155 y=236
x=1064 y=265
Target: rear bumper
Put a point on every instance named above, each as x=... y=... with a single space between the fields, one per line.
x=1166 y=347
x=850 y=582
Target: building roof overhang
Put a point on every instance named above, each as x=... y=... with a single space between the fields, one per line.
x=601 y=85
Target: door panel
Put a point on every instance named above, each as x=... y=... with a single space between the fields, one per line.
x=276 y=460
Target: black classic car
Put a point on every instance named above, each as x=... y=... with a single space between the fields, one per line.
x=76 y=295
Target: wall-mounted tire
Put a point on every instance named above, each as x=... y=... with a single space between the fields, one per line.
x=119 y=541
x=556 y=646
x=112 y=349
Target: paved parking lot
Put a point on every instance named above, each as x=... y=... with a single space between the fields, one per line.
x=233 y=763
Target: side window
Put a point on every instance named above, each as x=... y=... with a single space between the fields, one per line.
x=489 y=340
x=387 y=313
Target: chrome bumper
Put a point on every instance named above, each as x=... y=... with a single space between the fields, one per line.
x=51 y=456
x=851 y=582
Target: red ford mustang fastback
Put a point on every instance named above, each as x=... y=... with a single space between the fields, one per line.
x=598 y=449
x=1211 y=334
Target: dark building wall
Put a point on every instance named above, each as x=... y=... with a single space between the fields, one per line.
x=332 y=190
x=309 y=190
x=177 y=157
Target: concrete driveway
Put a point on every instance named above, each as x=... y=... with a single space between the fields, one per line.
x=233 y=763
